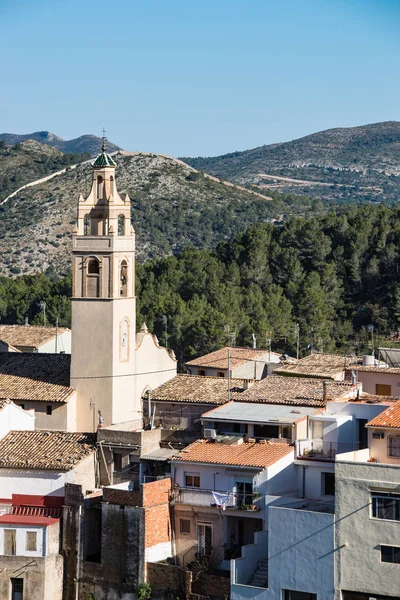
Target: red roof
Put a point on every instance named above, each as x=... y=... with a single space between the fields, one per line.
x=388 y=418
x=25 y=520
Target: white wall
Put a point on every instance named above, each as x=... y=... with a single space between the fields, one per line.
x=41 y=539
x=63 y=344
x=44 y=483
x=359 y=535
x=154 y=365
x=14 y=418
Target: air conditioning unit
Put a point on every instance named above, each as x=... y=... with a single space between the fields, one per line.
x=210 y=434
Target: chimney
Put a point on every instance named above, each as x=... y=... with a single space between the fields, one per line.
x=325 y=390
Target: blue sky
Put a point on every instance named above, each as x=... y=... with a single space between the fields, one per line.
x=197 y=77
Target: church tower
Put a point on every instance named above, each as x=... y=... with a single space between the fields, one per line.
x=103 y=303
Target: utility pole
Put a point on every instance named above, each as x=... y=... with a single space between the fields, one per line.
x=56 y=348
x=297 y=332
x=229 y=374
x=268 y=335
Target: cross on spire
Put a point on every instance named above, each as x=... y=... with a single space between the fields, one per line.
x=103 y=145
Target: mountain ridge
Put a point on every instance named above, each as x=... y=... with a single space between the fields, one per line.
x=86 y=143
x=365 y=160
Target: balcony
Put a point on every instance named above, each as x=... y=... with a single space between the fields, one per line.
x=320 y=450
x=236 y=501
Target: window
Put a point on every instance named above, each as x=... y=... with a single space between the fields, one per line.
x=202 y=372
x=220 y=374
x=244 y=492
x=390 y=554
x=49 y=409
x=266 y=431
x=93 y=279
x=184 y=525
x=292 y=595
x=10 y=542
x=86 y=224
x=393 y=446
x=93 y=267
x=386 y=506
x=382 y=389
x=121 y=225
x=192 y=480
x=328 y=484
x=31 y=541
x=123 y=279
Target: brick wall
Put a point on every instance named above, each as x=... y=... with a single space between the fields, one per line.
x=156 y=492
x=122 y=497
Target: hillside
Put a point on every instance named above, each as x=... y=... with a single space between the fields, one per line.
x=90 y=144
x=172 y=206
x=341 y=165
x=30 y=160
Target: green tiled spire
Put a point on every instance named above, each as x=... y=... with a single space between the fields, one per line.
x=103 y=159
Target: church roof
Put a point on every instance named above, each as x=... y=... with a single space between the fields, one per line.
x=103 y=160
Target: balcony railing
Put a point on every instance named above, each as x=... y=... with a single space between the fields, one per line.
x=320 y=450
x=236 y=501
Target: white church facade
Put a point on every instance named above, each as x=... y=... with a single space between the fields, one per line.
x=111 y=365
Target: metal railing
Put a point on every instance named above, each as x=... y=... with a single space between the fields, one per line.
x=199 y=497
x=320 y=450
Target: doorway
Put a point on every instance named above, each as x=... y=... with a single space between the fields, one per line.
x=17 y=589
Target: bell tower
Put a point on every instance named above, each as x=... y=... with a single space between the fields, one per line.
x=103 y=303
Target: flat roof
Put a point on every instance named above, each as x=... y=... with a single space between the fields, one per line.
x=246 y=412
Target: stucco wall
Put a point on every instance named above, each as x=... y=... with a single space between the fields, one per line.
x=154 y=365
x=379 y=447
x=359 y=535
x=369 y=379
x=42 y=578
x=301 y=552
x=63 y=417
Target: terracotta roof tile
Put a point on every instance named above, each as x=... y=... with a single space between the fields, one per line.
x=34 y=376
x=388 y=418
x=318 y=365
x=298 y=391
x=219 y=358
x=50 y=368
x=28 y=335
x=54 y=450
x=246 y=454
x=196 y=389
x=377 y=369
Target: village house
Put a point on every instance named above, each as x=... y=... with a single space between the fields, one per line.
x=380 y=380
x=241 y=363
x=40 y=382
x=321 y=366
x=220 y=491
x=42 y=462
x=32 y=338
x=368 y=513
x=31 y=565
x=180 y=402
